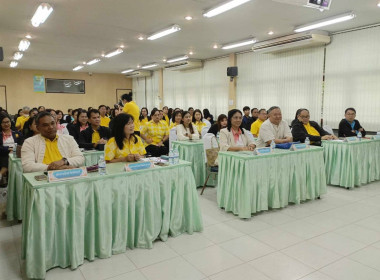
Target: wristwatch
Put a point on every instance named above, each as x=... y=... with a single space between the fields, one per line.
x=65 y=161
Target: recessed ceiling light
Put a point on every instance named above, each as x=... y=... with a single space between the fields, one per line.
x=149 y=66
x=78 y=68
x=42 y=13
x=191 y=52
x=13 y=64
x=17 y=55
x=325 y=22
x=24 y=45
x=224 y=8
x=164 y=32
x=103 y=55
x=114 y=52
x=270 y=33
x=138 y=66
x=93 y=61
x=28 y=36
x=141 y=38
x=188 y=17
x=378 y=4
x=127 y=71
x=239 y=44
x=164 y=59
x=175 y=59
x=215 y=46
x=122 y=46
x=84 y=62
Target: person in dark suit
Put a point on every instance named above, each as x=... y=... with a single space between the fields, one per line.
x=349 y=126
x=80 y=124
x=94 y=136
x=303 y=127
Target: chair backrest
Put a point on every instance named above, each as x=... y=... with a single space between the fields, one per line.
x=328 y=129
x=249 y=135
x=209 y=142
x=204 y=130
x=206 y=121
x=172 y=136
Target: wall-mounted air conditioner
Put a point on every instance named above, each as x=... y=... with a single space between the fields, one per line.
x=184 y=65
x=300 y=40
x=139 y=73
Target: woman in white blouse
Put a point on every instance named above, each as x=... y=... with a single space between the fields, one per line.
x=186 y=130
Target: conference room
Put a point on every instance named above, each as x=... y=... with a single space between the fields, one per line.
x=190 y=139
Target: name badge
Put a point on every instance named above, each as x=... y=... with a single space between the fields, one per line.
x=296 y=147
x=351 y=139
x=138 y=166
x=262 y=151
x=376 y=137
x=67 y=174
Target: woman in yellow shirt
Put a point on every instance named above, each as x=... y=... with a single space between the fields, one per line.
x=124 y=145
x=197 y=120
x=176 y=119
x=144 y=116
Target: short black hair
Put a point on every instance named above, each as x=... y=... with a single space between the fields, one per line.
x=246 y=108
x=154 y=110
x=272 y=108
x=92 y=111
x=100 y=106
x=262 y=110
x=127 y=96
x=41 y=115
x=253 y=109
x=190 y=108
x=350 y=109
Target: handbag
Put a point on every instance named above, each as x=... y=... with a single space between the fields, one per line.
x=212 y=154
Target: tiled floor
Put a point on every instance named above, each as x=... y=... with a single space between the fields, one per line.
x=337 y=237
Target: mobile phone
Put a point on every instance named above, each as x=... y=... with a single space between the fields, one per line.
x=40 y=177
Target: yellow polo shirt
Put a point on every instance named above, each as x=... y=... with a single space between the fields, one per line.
x=21 y=121
x=255 y=127
x=199 y=125
x=105 y=121
x=52 y=152
x=134 y=110
x=144 y=122
x=112 y=151
x=95 y=137
x=167 y=120
x=173 y=124
x=155 y=131
x=311 y=130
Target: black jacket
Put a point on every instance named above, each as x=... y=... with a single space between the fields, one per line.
x=214 y=129
x=345 y=129
x=85 y=137
x=17 y=137
x=74 y=130
x=299 y=132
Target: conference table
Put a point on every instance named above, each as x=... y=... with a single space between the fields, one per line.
x=350 y=164
x=193 y=151
x=98 y=216
x=16 y=182
x=249 y=183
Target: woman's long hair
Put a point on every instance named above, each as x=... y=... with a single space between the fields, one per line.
x=221 y=117
x=190 y=124
x=141 y=117
x=175 y=113
x=197 y=111
x=230 y=114
x=118 y=129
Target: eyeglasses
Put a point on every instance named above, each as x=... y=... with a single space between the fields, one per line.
x=237 y=118
x=5 y=122
x=305 y=117
x=351 y=114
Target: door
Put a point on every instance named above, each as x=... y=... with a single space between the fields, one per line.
x=3 y=97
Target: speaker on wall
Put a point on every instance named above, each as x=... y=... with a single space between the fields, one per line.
x=232 y=71
x=1 y=54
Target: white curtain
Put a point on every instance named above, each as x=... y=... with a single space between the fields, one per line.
x=290 y=80
x=353 y=78
x=138 y=85
x=152 y=93
x=201 y=88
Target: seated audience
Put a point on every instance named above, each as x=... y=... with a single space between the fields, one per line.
x=155 y=133
x=349 y=126
x=220 y=124
x=254 y=114
x=48 y=150
x=15 y=117
x=165 y=111
x=207 y=115
x=61 y=128
x=24 y=116
x=94 y=136
x=32 y=113
x=144 y=116
x=191 y=111
x=247 y=120
x=130 y=107
x=124 y=145
x=60 y=117
x=261 y=118
x=197 y=120
x=31 y=128
x=305 y=128
x=114 y=112
x=41 y=109
x=274 y=128
x=104 y=119
x=176 y=119
x=7 y=140
x=79 y=124
x=186 y=130
x=234 y=137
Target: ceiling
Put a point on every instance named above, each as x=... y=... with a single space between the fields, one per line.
x=80 y=30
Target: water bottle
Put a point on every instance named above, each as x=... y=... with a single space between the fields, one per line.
x=15 y=150
x=272 y=145
x=176 y=156
x=307 y=141
x=217 y=136
x=102 y=166
x=171 y=157
x=360 y=136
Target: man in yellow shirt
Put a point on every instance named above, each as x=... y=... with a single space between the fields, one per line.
x=104 y=120
x=130 y=107
x=255 y=127
x=23 y=118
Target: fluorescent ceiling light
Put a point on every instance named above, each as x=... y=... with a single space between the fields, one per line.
x=188 y=17
x=149 y=66
x=127 y=71
x=42 y=13
x=191 y=52
x=325 y=22
x=141 y=37
x=224 y=8
x=96 y=60
x=17 y=55
x=215 y=46
x=13 y=64
x=162 y=33
x=28 y=36
x=378 y=4
x=113 y=53
x=78 y=68
x=239 y=44
x=270 y=33
x=24 y=45
x=175 y=59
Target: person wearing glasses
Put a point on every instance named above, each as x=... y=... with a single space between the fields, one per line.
x=349 y=126
x=304 y=127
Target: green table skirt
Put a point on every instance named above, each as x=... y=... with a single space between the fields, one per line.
x=350 y=164
x=16 y=183
x=248 y=184
x=70 y=221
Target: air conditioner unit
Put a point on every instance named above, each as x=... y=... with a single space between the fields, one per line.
x=300 y=40
x=138 y=74
x=184 y=65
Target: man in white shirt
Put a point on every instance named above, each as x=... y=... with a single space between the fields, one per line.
x=274 y=128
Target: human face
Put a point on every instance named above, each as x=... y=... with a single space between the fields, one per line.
x=197 y=116
x=350 y=115
x=275 y=116
x=304 y=117
x=161 y=114
x=117 y=112
x=156 y=117
x=75 y=115
x=223 y=123
x=255 y=113
x=246 y=113
x=59 y=116
x=94 y=119
x=187 y=119
x=129 y=128
x=33 y=127
x=6 y=124
x=236 y=120
x=144 y=112
x=47 y=127
x=262 y=115
x=83 y=119
x=178 y=118
x=41 y=109
x=103 y=111
x=191 y=111
x=33 y=113
x=165 y=110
